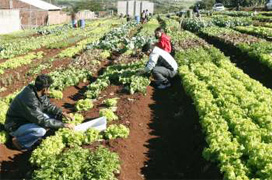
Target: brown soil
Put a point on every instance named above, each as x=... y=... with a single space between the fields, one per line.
x=14 y=76
x=238 y=38
x=191 y=43
x=20 y=78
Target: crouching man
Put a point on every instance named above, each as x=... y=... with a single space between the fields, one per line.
x=31 y=113
x=162 y=65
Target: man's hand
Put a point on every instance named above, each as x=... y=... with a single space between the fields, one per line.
x=70 y=126
x=140 y=72
x=67 y=116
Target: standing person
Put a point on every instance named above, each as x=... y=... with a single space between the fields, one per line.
x=164 y=41
x=128 y=18
x=31 y=113
x=147 y=15
x=143 y=16
x=162 y=65
x=196 y=10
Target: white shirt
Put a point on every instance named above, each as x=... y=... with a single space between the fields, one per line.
x=154 y=56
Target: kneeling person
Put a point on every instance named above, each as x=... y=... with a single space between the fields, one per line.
x=162 y=65
x=31 y=112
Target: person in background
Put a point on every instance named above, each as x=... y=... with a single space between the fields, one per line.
x=161 y=64
x=31 y=113
x=146 y=15
x=75 y=23
x=164 y=40
x=196 y=10
x=143 y=17
x=128 y=18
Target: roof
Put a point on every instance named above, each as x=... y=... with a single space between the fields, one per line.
x=41 y=4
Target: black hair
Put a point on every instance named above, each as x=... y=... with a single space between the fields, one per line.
x=43 y=81
x=146 y=47
x=159 y=29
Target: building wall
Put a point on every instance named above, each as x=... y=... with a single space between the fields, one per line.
x=9 y=21
x=85 y=15
x=130 y=8
x=147 y=5
x=137 y=8
x=57 y=17
x=4 y=4
x=134 y=7
x=31 y=16
x=122 y=7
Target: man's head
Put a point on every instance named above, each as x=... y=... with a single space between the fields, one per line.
x=147 y=48
x=158 y=32
x=43 y=82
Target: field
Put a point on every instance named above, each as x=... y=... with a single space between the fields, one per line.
x=214 y=122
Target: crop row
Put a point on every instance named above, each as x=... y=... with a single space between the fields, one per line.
x=234 y=111
x=257 y=49
x=22 y=46
x=259 y=31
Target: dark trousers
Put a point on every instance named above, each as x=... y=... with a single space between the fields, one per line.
x=162 y=74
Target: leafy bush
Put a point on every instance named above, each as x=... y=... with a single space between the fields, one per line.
x=79 y=163
x=78 y=119
x=3 y=137
x=111 y=102
x=226 y=21
x=84 y=105
x=56 y=94
x=116 y=131
x=195 y=25
x=109 y=114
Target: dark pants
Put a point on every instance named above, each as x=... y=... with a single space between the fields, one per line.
x=162 y=74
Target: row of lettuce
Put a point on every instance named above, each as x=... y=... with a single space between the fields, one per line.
x=234 y=110
x=242 y=24
x=98 y=164
x=264 y=16
x=61 y=155
x=256 y=48
x=40 y=61
x=90 y=35
x=21 y=46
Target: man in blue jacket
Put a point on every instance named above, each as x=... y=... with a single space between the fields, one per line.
x=31 y=113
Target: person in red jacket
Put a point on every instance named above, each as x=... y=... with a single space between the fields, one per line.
x=164 y=40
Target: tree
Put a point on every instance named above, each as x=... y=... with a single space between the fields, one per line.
x=206 y=4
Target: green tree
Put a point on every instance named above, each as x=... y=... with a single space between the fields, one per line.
x=206 y=4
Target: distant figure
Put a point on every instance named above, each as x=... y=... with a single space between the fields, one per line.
x=128 y=17
x=147 y=15
x=143 y=17
x=238 y=6
x=196 y=10
x=75 y=23
x=121 y=15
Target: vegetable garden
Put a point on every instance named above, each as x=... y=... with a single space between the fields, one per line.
x=214 y=122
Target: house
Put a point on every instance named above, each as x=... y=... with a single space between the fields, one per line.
x=34 y=13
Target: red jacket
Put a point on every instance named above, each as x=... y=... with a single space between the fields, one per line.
x=165 y=43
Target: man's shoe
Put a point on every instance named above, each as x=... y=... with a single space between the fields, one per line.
x=163 y=86
x=16 y=144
